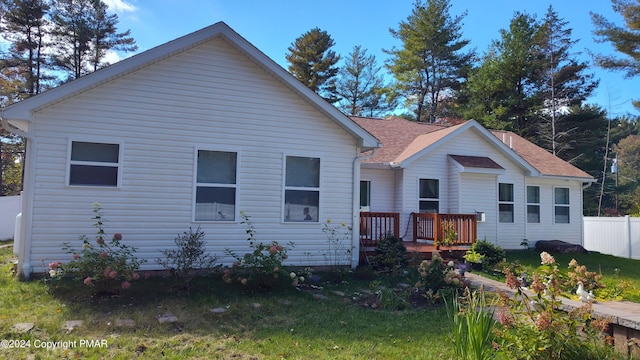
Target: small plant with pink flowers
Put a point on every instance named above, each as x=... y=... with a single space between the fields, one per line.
x=535 y=327
x=105 y=265
x=261 y=268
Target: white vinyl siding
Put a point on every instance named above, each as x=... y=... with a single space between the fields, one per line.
x=211 y=96
x=94 y=164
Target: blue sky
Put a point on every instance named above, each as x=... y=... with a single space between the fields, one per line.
x=273 y=25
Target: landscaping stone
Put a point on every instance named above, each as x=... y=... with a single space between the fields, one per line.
x=71 y=324
x=320 y=296
x=218 y=310
x=125 y=323
x=257 y=306
x=167 y=318
x=339 y=293
x=22 y=328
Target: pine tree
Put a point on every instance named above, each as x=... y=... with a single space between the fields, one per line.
x=311 y=62
x=431 y=65
x=361 y=87
x=625 y=40
x=564 y=83
x=501 y=91
x=84 y=33
x=24 y=27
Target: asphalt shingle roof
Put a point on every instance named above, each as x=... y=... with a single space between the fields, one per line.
x=402 y=139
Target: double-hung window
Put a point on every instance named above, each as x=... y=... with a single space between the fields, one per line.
x=94 y=164
x=561 y=205
x=301 y=189
x=429 y=201
x=533 y=204
x=216 y=185
x=505 y=203
x=365 y=195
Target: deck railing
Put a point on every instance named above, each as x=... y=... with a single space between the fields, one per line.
x=434 y=227
x=375 y=225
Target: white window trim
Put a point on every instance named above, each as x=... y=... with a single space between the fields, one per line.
x=568 y=206
x=70 y=162
x=195 y=185
x=428 y=199
x=285 y=188
x=533 y=204
x=368 y=194
x=512 y=203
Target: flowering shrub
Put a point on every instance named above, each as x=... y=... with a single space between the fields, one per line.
x=263 y=266
x=578 y=273
x=435 y=276
x=535 y=327
x=105 y=265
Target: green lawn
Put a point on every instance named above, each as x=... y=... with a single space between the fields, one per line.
x=621 y=276
x=286 y=325
x=324 y=323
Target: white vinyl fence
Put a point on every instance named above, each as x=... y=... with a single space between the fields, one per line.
x=9 y=207
x=618 y=236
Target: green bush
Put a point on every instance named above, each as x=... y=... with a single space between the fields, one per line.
x=391 y=255
x=473 y=326
x=493 y=254
x=188 y=259
x=262 y=268
x=533 y=326
x=436 y=277
x=106 y=265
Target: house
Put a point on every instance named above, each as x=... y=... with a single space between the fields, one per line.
x=514 y=189
x=187 y=134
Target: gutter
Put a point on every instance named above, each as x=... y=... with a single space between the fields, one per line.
x=355 y=230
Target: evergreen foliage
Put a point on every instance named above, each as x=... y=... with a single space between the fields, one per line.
x=391 y=255
x=313 y=63
x=362 y=87
x=83 y=33
x=431 y=65
x=626 y=40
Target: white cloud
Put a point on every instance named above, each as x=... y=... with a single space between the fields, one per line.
x=120 y=6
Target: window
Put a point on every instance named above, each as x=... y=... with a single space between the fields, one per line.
x=533 y=204
x=505 y=203
x=302 y=188
x=365 y=195
x=94 y=164
x=561 y=205
x=216 y=186
x=429 y=196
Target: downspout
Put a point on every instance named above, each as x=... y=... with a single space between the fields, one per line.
x=24 y=249
x=584 y=187
x=355 y=231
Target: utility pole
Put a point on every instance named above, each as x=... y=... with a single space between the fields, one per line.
x=614 y=170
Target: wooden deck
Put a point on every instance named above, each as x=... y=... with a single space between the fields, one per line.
x=428 y=230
